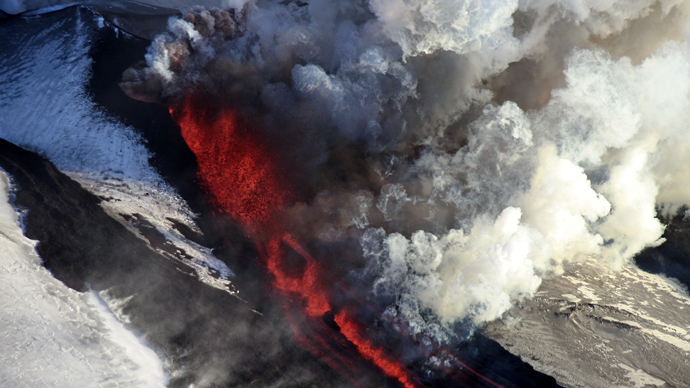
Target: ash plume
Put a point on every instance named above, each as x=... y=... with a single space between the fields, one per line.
x=471 y=148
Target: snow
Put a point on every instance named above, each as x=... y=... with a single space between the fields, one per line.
x=591 y=317
x=45 y=107
x=42 y=319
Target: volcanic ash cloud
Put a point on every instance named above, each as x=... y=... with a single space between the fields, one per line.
x=476 y=146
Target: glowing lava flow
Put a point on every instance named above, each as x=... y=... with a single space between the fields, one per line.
x=351 y=329
x=237 y=169
x=234 y=166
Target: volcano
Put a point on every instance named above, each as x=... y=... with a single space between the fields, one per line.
x=451 y=194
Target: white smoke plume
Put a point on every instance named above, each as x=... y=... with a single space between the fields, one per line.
x=481 y=144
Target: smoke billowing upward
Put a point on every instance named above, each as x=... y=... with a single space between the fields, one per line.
x=469 y=148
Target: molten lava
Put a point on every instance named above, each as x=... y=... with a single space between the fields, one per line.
x=238 y=169
x=353 y=331
x=235 y=166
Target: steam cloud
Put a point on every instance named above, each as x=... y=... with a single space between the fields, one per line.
x=470 y=147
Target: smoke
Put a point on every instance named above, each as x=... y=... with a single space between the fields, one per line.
x=470 y=147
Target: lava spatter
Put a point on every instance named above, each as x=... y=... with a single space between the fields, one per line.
x=235 y=166
x=238 y=170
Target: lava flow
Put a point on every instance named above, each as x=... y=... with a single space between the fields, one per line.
x=238 y=170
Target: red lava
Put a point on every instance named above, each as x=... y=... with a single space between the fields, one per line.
x=238 y=169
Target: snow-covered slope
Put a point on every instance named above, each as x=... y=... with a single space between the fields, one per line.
x=52 y=335
x=593 y=327
x=45 y=107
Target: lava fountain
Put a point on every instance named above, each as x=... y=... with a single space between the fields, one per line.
x=239 y=170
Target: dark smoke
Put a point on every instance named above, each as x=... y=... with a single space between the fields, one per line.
x=470 y=148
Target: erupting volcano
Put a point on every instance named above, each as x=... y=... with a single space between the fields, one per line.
x=237 y=169
x=371 y=193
